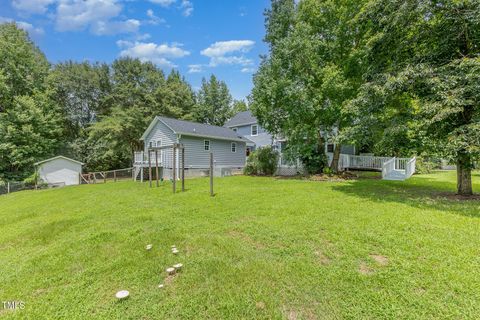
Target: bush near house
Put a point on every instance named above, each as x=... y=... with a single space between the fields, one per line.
x=262 y=161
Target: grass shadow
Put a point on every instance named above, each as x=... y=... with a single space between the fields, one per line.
x=422 y=191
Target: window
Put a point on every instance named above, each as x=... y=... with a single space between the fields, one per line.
x=159 y=143
x=248 y=150
x=150 y=144
x=234 y=147
x=206 y=145
x=330 y=147
x=234 y=129
x=254 y=130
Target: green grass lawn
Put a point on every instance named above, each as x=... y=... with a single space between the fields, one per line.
x=261 y=248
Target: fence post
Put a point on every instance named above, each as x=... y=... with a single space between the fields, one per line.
x=104 y=177
x=183 y=168
x=8 y=187
x=114 y=175
x=211 y=174
x=149 y=168
x=156 y=166
x=174 y=173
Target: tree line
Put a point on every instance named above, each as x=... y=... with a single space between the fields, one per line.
x=394 y=77
x=92 y=112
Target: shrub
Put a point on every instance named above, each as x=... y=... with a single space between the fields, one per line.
x=424 y=165
x=314 y=161
x=328 y=171
x=32 y=179
x=262 y=161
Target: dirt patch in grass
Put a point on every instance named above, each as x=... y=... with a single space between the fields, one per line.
x=379 y=259
x=260 y=305
x=364 y=269
x=457 y=197
x=246 y=238
x=294 y=314
x=322 y=258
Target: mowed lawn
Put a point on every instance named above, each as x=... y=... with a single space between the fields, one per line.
x=262 y=248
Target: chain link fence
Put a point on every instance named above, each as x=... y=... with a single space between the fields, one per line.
x=107 y=176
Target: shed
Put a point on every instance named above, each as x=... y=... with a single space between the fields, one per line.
x=59 y=170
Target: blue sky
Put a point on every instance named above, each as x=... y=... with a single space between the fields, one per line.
x=197 y=37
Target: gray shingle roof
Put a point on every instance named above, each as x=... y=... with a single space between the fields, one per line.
x=245 y=117
x=198 y=129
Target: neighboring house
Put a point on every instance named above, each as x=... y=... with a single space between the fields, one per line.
x=59 y=171
x=246 y=124
x=199 y=140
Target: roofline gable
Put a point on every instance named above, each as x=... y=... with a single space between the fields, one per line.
x=152 y=125
x=58 y=157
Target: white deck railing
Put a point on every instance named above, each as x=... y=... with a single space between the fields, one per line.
x=141 y=157
x=388 y=167
x=410 y=167
x=361 y=162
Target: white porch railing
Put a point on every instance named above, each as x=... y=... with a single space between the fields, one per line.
x=361 y=162
x=141 y=157
x=410 y=167
x=388 y=167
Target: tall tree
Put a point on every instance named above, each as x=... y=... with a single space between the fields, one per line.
x=176 y=98
x=214 y=102
x=30 y=130
x=302 y=88
x=29 y=120
x=81 y=90
x=23 y=67
x=428 y=51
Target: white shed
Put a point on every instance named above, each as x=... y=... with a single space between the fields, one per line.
x=59 y=170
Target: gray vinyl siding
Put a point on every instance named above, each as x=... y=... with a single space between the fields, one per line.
x=197 y=157
x=261 y=140
x=161 y=132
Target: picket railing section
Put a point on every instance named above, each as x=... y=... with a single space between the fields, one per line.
x=388 y=167
x=141 y=157
x=410 y=167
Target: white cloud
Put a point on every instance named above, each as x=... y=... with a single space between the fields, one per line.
x=156 y=53
x=97 y=15
x=163 y=3
x=222 y=48
x=33 y=31
x=248 y=70
x=229 y=52
x=187 y=7
x=195 y=68
x=32 y=6
x=154 y=20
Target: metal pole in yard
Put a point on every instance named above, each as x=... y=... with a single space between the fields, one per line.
x=149 y=169
x=8 y=187
x=183 y=169
x=156 y=166
x=174 y=173
x=211 y=174
x=114 y=175
x=104 y=177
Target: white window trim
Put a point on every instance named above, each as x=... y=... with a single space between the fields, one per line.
x=251 y=130
x=159 y=143
x=204 y=145
x=233 y=146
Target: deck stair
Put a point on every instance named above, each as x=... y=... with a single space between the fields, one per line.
x=391 y=168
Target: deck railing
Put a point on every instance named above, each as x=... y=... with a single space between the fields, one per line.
x=141 y=157
x=388 y=167
x=361 y=162
x=410 y=167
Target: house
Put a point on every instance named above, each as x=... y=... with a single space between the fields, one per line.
x=198 y=140
x=60 y=171
x=246 y=124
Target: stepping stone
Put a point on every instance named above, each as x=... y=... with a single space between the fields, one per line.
x=122 y=294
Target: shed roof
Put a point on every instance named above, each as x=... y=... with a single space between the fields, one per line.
x=190 y=128
x=58 y=157
x=241 y=118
